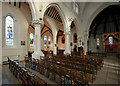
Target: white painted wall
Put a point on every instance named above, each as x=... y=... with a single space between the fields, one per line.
x=20 y=34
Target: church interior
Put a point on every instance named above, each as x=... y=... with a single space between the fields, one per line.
x=60 y=43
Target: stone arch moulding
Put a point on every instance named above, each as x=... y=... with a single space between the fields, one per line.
x=33 y=9
x=60 y=13
x=52 y=26
x=96 y=12
x=10 y=14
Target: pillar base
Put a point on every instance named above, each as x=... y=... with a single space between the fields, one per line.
x=37 y=54
x=55 y=53
x=67 y=53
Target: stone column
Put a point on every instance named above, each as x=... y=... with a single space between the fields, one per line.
x=37 y=40
x=55 y=44
x=85 y=43
x=67 y=43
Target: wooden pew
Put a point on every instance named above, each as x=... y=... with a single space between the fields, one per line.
x=24 y=76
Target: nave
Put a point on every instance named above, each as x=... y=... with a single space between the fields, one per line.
x=109 y=73
x=60 y=43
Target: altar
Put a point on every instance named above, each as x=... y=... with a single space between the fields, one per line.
x=111 y=42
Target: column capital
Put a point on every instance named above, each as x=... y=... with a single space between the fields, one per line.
x=37 y=22
x=67 y=33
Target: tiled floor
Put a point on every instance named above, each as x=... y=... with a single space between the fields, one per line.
x=109 y=74
x=7 y=76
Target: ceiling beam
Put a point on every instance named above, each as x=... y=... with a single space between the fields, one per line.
x=56 y=16
x=60 y=20
x=43 y=28
x=32 y=26
x=48 y=27
x=49 y=11
x=45 y=32
x=53 y=13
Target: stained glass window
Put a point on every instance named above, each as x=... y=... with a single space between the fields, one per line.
x=9 y=30
x=63 y=40
x=98 y=42
x=110 y=40
x=31 y=39
x=49 y=39
x=45 y=41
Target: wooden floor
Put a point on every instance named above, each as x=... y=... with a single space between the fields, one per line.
x=109 y=74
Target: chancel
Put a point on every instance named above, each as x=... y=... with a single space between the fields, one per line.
x=60 y=43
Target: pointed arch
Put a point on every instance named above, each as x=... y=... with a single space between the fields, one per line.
x=64 y=21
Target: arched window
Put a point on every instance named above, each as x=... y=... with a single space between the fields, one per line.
x=9 y=26
x=45 y=40
x=110 y=40
x=98 y=42
x=49 y=40
x=63 y=40
x=31 y=39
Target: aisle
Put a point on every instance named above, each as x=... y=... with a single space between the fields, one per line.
x=109 y=73
x=8 y=77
